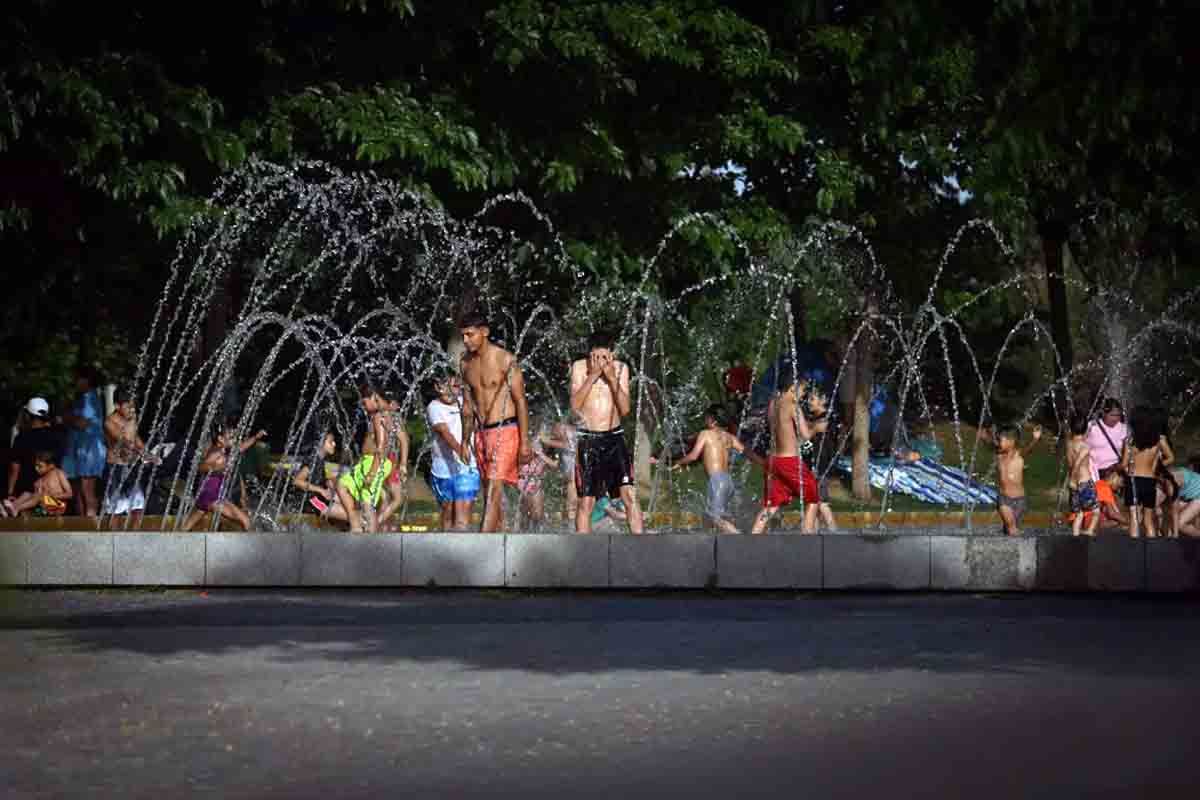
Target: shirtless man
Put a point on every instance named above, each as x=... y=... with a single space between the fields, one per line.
x=361 y=489
x=600 y=399
x=125 y=447
x=796 y=414
x=1010 y=475
x=713 y=445
x=495 y=414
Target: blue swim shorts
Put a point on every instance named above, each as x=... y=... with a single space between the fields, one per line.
x=463 y=486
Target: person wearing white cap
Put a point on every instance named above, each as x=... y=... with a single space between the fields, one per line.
x=38 y=437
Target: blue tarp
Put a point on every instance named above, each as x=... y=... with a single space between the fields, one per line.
x=926 y=480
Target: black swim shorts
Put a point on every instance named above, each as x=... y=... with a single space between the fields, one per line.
x=602 y=463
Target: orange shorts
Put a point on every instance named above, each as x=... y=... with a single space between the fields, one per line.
x=497 y=450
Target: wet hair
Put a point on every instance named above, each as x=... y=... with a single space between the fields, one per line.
x=1009 y=431
x=785 y=376
x=717 y=412
x=1078 y=424
x=367 y=388
x=1111 y=404
x=122 y=396
x=1147 y=425
x=472 y=319
x=45 y=457
x=1194 y=463
x=390 y=394
x=601 y=339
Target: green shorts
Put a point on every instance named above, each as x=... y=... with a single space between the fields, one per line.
x=355 y=480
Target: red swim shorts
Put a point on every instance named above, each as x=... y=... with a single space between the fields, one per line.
x=787 y=477
x=497 y=451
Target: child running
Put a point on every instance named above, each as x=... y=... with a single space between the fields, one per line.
x=50 y=494
x=1082 y=477
x=212 y=467
x=1145 y=450
x=1010 y=475
x=713 y=445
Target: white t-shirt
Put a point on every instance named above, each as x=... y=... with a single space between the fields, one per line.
x=446 y=463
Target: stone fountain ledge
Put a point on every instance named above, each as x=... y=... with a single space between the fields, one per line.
x=936 y=560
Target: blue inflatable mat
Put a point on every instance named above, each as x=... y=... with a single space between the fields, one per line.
x=926 y=480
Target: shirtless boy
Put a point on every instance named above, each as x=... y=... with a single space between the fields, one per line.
x=1010 y=476
x=361 y=489
x=1082 y=477
x=495 y=414
x=121 y=494
x=51 y=490
x=713 y=445
x=600 y=399
x=395 y=449
x=1144 y=451
x=796 y=414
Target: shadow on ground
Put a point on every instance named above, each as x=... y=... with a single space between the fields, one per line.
x=563 y=633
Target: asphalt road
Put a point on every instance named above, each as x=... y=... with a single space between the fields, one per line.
x=297 y=695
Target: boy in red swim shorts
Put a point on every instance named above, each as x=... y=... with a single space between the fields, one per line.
x=796 y=414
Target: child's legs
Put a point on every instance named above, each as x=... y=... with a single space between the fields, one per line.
x=395 y=500
x=91 y=505
x=826 y=512
x=26 y=502
x=810 y=518
x=1187 y=512
x=583 y=514
x=233 y=512
x=77 y=494
x=633 y=509
x=1009 y=520
x=764 y=517
x=1077 y=523
x=195 y=516
x=462 y=514
x=1134 y=519
x=447 y=520
x=350 y=507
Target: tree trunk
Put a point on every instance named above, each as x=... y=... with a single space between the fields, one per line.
x=864 y=378
x=1054 y=238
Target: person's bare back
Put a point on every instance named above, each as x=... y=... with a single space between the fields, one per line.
x=1079 y=459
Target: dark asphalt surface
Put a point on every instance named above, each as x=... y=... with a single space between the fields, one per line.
x=351 y=694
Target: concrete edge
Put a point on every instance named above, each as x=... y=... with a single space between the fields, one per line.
x=937 y=561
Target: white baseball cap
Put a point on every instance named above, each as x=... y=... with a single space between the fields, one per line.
x=38 y=407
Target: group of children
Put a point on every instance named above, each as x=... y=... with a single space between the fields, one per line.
x=1106 y=459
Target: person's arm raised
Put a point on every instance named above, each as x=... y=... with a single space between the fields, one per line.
x=253 y=440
